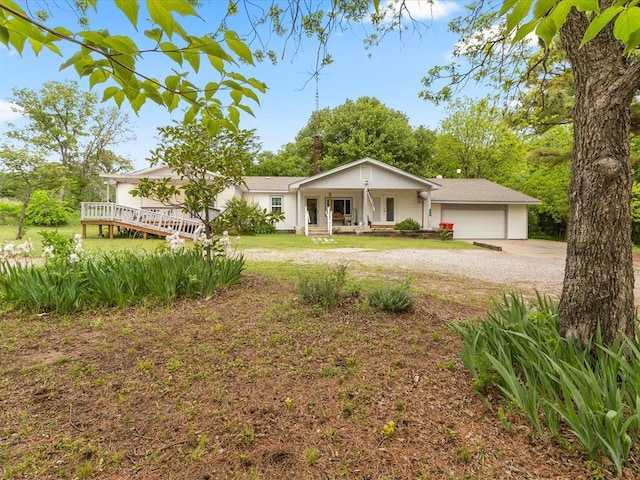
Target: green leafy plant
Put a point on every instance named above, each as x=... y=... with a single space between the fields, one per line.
x=407 y=224
x=247 y=218
x=593 y=391
x=394 y=298
x=115 y=279
x=311 y=455
x=46 y=210
x=323 y=289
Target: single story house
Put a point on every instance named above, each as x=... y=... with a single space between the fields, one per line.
x=365 y=194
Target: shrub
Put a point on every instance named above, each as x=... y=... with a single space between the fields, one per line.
x=394 y=298
x=593 y=391
x=47 y=211
x=246 y=218
x=9 y=210
x=323 y=289
x=407 y=224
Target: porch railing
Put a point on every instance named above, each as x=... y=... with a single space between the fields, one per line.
x=138 y=217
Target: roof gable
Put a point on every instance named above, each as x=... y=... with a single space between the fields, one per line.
x=365 y=172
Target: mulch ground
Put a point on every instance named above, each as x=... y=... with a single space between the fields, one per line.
x=254 y=384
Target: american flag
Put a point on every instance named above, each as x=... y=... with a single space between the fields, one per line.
x=370 y=198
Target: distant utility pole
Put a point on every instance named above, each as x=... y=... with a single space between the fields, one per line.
x=317 y=146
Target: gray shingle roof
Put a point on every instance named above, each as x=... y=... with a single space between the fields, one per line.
x=269 y=184
x=478 y=190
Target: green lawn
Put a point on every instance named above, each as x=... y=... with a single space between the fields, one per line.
x=277 y=241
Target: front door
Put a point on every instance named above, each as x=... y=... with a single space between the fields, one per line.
x=385 y=210
x=312 y=208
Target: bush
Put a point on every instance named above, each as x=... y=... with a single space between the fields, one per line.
x=593 y=391
x=394 y=298
x=246 y=218
x=407 y=224
x=324 y=289
x=9 y=210
x=46 y=211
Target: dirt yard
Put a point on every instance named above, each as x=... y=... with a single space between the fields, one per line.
x=253 y=384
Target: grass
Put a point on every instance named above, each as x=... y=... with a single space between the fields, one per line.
x=277 y=241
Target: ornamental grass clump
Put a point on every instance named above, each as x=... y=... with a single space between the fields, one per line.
x=393 y=298
x=323 y=289
x=593 y=391
x=115 y=280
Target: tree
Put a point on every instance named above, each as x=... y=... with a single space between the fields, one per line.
x=28 y=172
x=548 y=167
x=599 y=39
x=206 y=164
x=65 y=122
x=358 y=129
x=474 y=139
x=286 y=163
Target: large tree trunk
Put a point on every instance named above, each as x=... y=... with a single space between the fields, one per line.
x=599 y=278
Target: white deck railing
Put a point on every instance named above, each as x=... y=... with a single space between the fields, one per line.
x=138 y=217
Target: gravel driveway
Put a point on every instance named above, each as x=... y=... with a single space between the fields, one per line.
x=521 y=265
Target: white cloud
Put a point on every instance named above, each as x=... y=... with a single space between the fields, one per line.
x=424 y=9
x=9 y=111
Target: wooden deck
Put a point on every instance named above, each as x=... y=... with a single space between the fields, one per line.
x=145 y=221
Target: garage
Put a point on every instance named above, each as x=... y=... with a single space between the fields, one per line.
x=476 y=221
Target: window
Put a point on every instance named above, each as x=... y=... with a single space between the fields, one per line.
x=276 y=204
x=341 y=205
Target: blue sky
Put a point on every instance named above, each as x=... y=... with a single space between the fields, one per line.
x=391 y=72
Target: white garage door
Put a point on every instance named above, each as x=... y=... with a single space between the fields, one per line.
x=476 y=221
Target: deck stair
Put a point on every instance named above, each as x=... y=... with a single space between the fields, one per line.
x=146 y=221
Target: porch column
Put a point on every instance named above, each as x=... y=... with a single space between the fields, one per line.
x=299 y=211
x=365 y=207
x=428 y=209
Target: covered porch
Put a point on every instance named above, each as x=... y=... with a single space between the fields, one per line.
x=360 y=196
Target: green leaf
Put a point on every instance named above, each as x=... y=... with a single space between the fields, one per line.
x=76 y=57
x=234 y=115
x=587 y=5
x=546 y=30
x=4 y=35
x=119 y=97
x=506 y=6
x=138 y=101
x=519 y=11
x=524 y=30
x=36 y=46
x=154 y=34
x=240 y=48
x=171 y=51
x=599 y=22
x=109 y=92
x=92 y=37
x=172 y=82
x=627 y=22
x=542 y=8
x=98 y=76
x=193 y=57
x=122 y=44
x=130 y=8
x=161 y=16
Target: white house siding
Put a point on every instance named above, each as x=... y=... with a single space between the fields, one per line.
x=263 y=199
x=517 y=222
x=226 y=195
x=408 y=205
